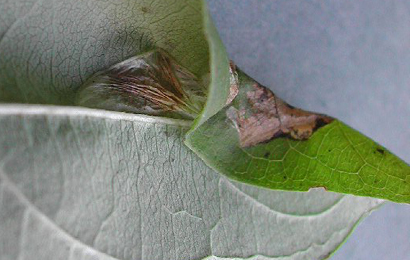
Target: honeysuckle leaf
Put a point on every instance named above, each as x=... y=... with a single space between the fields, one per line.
x=77 y=183
x=80 y=183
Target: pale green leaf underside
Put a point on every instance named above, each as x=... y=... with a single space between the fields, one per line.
x=49 y=48
x=335 y=157
x=80 y=183
x=219 y=69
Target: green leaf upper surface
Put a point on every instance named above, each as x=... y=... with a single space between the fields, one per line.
x=86 y=184
x=335 y=157
x=49 y=48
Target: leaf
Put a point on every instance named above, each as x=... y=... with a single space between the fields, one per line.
x=258 y=148
x=79 y=183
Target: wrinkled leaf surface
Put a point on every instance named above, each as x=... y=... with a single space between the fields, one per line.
x=79 y=183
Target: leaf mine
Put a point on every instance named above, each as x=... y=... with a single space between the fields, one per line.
x=262 y=116
x=152 y=84
x=233 y=82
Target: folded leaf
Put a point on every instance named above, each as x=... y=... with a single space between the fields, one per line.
x=261 y=140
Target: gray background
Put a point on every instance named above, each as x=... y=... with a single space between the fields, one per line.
x=346 y=58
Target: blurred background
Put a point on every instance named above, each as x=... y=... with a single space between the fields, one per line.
x=349 y=59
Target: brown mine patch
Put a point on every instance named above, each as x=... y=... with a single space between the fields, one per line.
x=234 y=83
x=268 y=117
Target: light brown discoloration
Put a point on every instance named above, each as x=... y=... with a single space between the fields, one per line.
x=234 y=84
x=323 y=188
x=268 y=117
